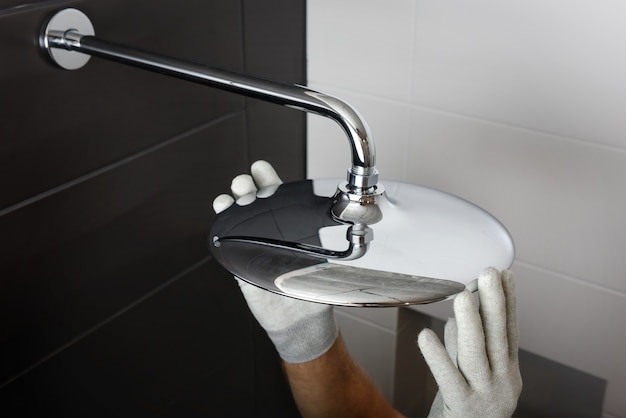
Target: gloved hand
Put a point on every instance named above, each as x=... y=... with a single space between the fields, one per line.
x=301 y=331
x=478 y=375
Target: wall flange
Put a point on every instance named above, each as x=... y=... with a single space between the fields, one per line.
x=54 y=38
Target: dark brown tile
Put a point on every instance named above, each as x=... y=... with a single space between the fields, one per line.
x=70 y=123
x=552 y=389
x=188 y=350
x=276 y=52
x=273 y=133
x=98 y=319
x=76 y=257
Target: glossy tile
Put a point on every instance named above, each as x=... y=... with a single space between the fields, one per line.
x=273 y=133
x=110 y=306
x=275 y=51
x=361 y=46
x=562 y=200
x=328 y=150
x=190 y=349
x=71 y=123
x=372 y=347
x=551 y=66
x=588 y=322
x=75 y=258
x=517 y=108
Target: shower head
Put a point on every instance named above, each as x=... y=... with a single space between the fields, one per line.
x=424 y=246
x=347 y=242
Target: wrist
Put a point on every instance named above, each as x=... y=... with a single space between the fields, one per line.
x=307 y=338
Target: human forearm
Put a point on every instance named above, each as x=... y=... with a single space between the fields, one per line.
x=333 y=385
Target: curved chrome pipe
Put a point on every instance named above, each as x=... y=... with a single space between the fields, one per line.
x=359 y=237
x=281 y=242
x=362 y=176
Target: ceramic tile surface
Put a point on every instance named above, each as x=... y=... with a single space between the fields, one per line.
x=372 y=347
x=363 y=45
x=562 y=200
x=110 y=302
x=554 y=66
x=519 y=109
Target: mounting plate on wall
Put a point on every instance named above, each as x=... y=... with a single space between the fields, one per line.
x=56 y=29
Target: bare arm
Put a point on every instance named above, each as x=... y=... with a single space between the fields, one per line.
x=333 y=385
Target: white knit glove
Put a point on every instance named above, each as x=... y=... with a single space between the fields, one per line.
x=301 y=331
x=477 y=371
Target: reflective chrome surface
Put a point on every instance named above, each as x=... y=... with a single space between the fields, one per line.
x=54 y=38
x=69 y=34
x=351 y=242
x=358 y=238
x=426 y=245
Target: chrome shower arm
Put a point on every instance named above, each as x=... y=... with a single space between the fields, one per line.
x=358 y=237
x=362 y=175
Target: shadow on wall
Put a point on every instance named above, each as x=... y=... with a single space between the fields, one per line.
x=550 y=389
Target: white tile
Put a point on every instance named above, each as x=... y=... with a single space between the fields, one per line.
x=553 y=65
x=372 y=347
x=328 y=153
x=563 y=201
x=575 y=324
x=361 y=45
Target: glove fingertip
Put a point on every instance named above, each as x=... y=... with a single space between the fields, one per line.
x=264 y=174
x=508 y=278
x=463 y=301
x=426 y=338
x=222 y=202
x=242 y=185
x=488 y=276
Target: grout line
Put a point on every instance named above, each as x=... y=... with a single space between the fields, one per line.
x=407 y=158
x=553 y=135
x=33 y=6
x=244 y=64
x=330 y=88
x=412 y=64
x=104 y=322
x=112 y=166
x=566 y=277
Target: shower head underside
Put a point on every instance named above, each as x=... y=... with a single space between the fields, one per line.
x=351 y=242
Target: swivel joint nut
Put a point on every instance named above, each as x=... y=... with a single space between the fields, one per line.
x=357 y=208
x=362 y=181
x=360 y=234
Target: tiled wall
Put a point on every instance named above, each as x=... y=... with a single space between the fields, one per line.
x=518 y=107
x=109 y=302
